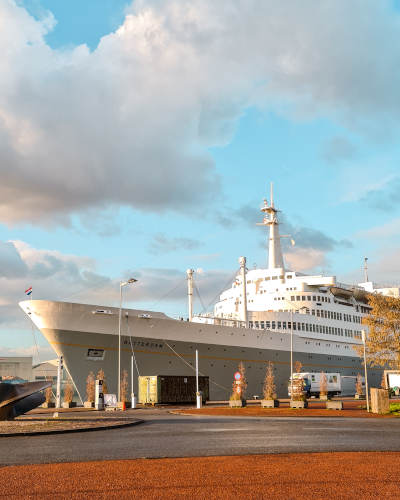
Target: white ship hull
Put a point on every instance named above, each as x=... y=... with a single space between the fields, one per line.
x=73 y=330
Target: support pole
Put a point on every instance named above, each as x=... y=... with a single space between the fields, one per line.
x=58 y=394
x=291 y=354
x=242 y=262
x=199 y=395
x=119 y=343
x=364 y=340
x=133 y=394
x=189 y=273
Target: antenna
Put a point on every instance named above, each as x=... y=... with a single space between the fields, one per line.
x=365 y=268
x=272 y=195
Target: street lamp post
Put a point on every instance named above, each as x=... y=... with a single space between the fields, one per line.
x=364 y=340
x=131 y=280
x=291 y=346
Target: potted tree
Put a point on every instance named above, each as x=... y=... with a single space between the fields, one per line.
x=299 y=399
x=359 y=388
x=239 y=386
x=101 y=376
x=90 y=391
x=124 y=390
x=49 y=403
x=323 y=387
x=269 y=389
x=68 y=395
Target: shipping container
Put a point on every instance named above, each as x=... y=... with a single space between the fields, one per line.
x=161 y=389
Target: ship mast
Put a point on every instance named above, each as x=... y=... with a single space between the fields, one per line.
x=275 y=257
x=365 y=268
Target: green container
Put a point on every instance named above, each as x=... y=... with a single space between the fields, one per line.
x=162 y=389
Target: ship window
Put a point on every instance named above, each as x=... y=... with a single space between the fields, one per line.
x=268 y=324
x=329 y=301
x=267 y=278
x=318 y=313
x=279 y=325
x=340 y=316
x=295 y=288
x=292 y=298
x=262 y=325
x=299 y=326
x=284 y=325
x=341 y=331
x=281 y=277
x=274 y=277
x=314 y=298
x=308 y=297
x=319 y=298
x=256 y=325
x=288 y=277
x=294 y=326
x=250 y=324
x=298 y=297
x=312 y=312
x=306 y=327
x=273 y=325
x=275 y=298
x=95 y=354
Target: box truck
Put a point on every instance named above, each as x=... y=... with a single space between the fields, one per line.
x=337 y=384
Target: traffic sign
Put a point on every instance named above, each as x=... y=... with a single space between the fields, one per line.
x=238 y=389
x=237 y=376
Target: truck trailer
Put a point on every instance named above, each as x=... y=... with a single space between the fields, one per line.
x=337 y=384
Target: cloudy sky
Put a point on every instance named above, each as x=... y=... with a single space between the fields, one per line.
x=138 y=139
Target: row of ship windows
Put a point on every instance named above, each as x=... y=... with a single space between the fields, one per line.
x=304 y=327
x=315 y=298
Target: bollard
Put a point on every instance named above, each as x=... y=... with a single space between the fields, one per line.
x=99 y=398
x=134 y=400
x=199 y=399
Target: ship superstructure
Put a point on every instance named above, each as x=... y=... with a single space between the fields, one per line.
x=252 y=322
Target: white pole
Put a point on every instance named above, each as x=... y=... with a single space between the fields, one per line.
x=199 y=395
x=132 y=381
x=197 y=371
x=291 y=354
x=189 y=273
x=119 y=343
x=364 y=339
x=58 y=395
x=242 y=262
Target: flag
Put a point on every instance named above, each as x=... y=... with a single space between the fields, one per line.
x=293 y=242
x=29 y=291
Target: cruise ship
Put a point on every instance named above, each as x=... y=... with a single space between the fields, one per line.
x=252 y=322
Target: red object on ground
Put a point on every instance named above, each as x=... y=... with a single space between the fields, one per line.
x=356 y=476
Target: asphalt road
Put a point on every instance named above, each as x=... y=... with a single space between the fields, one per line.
x=166 y=435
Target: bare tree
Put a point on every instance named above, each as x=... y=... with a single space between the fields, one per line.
x=242 y=384
x=359 y=387
x=68 y=391
x=124 y=386
x=49 y=391
x=297 y=383
x=269 y=388
x=101 y=376
x=90 y=390
x=323 y=385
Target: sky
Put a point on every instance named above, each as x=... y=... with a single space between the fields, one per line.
x=139 y=139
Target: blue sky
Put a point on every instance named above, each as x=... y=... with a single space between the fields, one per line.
x=128 y=129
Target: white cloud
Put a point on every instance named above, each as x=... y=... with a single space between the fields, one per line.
x=45 y=352
x=130 y=123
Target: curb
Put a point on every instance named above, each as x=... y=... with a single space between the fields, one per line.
x=69 y=431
